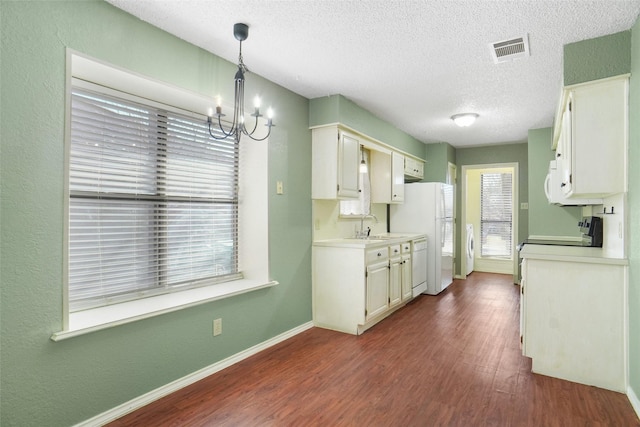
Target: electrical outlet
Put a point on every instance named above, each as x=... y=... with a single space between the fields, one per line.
x=217 y=327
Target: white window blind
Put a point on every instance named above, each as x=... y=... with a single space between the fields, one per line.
x=496 y=220
x=153 y=203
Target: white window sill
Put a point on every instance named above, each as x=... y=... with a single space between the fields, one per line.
x=84 y=322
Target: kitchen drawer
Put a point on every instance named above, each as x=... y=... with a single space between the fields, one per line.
x=406 y=247
x=394 y=251
x=375 y=255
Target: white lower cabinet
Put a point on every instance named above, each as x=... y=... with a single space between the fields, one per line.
x=407 y=269
x=395 y=275
x=356 y=287
x=574 y=318
x=377 y=282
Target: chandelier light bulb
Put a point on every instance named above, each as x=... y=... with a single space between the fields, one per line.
x=269 y=113
x=256 y=102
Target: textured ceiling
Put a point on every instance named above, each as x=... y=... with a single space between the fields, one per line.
x=411 y=63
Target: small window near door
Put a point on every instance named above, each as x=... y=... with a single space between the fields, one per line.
x=496 y=220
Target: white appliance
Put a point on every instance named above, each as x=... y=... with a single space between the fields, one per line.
x=419 y=263
x=470 y=249
x=428 y=209
x=553 y=189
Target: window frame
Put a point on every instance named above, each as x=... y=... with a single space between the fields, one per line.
x=162 y=143
x=253 y=241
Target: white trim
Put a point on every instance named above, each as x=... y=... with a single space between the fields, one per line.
x=140 y=401
x=452 y=175
x=493 y=265
x=101 y=73
x=516 y=209
x=96 y=319
x=633 y=398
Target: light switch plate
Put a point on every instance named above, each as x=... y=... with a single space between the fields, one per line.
x=279 y=187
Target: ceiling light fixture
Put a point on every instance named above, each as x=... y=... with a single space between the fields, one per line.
x=240 y=32
x=464 y=119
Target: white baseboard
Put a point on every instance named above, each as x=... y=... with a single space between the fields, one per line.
x=153 y=395
x=635 y=402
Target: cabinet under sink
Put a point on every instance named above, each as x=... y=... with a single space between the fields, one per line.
x=359 y=282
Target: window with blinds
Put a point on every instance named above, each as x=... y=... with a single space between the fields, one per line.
x=153 y=201
x=496 y=220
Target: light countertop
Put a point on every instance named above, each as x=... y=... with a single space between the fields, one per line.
x=570 y=254
x=377 y=240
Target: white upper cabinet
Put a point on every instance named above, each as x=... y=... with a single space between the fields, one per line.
x=387 y=177
x=336 y=155
x=397 y=173
x=593 y=138
x=413 y=169
x=335 y=163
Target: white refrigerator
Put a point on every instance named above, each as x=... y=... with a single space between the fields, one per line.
x=428 y=209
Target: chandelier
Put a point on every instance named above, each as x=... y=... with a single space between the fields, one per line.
x=237 y=127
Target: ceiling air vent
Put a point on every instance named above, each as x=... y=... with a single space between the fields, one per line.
x=508 y=50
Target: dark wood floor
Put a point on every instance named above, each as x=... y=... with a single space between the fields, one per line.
x=446 y=360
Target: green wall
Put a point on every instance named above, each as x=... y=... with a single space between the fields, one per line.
x=508 y=153
x=634 y=217
x=546 y=219
x=338 y=109
x=597 y=58
x=46 y=383
x=439 y=156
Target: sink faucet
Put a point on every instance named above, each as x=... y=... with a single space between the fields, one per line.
x=362 y=234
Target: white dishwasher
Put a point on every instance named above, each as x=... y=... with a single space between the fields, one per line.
x=419 y=267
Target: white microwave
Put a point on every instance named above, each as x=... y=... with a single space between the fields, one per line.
x=554 y=193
